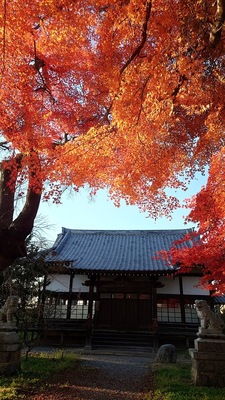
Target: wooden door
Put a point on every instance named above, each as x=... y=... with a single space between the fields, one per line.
x=104 y=318
x=125 y=312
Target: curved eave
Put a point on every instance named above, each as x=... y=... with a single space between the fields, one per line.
x=66 y=267
x=125 y=273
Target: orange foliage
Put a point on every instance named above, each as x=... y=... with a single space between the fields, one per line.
x=126 y=94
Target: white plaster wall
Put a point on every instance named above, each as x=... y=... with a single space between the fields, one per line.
x=59 y=282
x=171 y=285
x=78 y=280
x=189 y=286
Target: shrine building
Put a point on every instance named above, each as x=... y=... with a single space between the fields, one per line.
x=111 y=283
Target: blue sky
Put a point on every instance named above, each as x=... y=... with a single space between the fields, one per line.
x=79 y=212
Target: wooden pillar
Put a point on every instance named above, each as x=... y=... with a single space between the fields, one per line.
x=90 y=303
x=155 y=326
x=89 y=322
x=154 y=314
x=42 y=297
x=97 y=301
x=70 y=295
x=154 y=301
x=182 y=300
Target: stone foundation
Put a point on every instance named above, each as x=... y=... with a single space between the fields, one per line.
x=208 y=361
x=10 y=349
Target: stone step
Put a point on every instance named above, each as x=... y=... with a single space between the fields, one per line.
x=122 y=339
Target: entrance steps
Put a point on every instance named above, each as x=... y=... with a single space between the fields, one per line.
x=135 y=340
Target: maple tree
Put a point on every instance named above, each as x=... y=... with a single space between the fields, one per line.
x=124 y=94
x=206 y=249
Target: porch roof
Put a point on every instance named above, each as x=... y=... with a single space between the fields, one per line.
x=117 y=251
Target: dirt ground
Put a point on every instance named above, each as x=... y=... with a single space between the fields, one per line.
x=100 y=377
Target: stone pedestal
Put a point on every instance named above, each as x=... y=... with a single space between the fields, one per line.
x=208 y=360
x=10 y=349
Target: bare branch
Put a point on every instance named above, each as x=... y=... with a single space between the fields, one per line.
x=4 y=145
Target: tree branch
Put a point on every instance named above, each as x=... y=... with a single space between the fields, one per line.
x=144 y=37
x=176 y=90
x=4 y=145
x=24 y=223
x=217 y=26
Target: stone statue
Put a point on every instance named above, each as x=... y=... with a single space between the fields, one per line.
x=210 y=322
x=9 y=309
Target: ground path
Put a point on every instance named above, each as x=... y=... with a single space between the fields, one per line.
x=115 y=376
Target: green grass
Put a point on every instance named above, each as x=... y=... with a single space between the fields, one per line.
x=33 y=373
x=173 y=382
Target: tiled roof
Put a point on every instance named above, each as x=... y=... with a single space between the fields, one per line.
x=104 y=250
x=219 y=299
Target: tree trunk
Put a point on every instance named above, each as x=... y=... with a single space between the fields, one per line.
x=13 y=233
